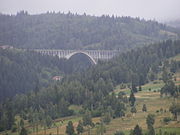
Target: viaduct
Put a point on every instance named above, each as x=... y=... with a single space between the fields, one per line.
x=93 y=55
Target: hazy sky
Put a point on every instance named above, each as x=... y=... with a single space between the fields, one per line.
x=148 y=9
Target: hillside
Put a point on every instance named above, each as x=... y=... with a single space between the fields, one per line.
x=91 y=93
x=154 y=105
x=72 y=31
x=175 y=23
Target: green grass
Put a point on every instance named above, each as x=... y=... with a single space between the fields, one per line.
x=169 y=130
x=154 y=103
x=152 y=86
x=75 y=108
x=156 y=85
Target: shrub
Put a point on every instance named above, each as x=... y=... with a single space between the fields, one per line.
x=96 y=113
x=167 y=119
x=14 y=128
x=161 y=110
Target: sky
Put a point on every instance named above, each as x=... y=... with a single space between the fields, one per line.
x=161 y=10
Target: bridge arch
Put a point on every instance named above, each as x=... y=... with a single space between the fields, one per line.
x=81 y=52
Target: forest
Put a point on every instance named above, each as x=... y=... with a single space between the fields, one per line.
x=71 y=31
x=22 y=71
x=91 y=89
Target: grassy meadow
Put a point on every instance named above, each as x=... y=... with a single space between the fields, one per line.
x=154 y=104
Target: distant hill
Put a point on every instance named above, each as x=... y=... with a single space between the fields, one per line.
x=72 y=31
x=175 y=23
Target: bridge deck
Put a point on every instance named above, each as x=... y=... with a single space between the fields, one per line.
x=94 y=54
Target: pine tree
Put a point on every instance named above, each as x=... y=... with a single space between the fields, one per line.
x=106 y=118
x=87 y=119
x=137 y=130
x=21 y=123
x=132 y=99
x=150 y=120
x=134 y=89
x=174 y=109
x=23 y=131
x=101 y=129
x=144 y=109
x=165 y=76
x=70 y=128
x=80 y=128
x=151 y=131
x=48 y=121
x=133 y=109
x=119 y=109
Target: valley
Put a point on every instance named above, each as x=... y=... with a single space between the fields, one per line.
x=111 y=76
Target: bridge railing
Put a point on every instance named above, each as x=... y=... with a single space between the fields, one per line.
x=96 y=54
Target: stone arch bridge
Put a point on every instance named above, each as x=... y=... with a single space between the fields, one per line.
x=93 y=55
